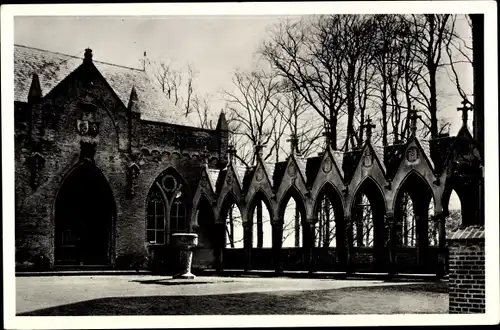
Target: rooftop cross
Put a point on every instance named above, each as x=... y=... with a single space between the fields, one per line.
x=466 y=106
x=231 y=151
x=294 y=143
x=413 y=122
x=88 y=55
x=368 y=125
x=205 y=156
x=327 y=134
x=259 y=148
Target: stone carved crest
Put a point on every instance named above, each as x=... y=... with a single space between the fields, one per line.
x=367 y=158
x=229 y=178
x=292 y=171
x=35 y=163
x=259 y=175
x=203 y=181
x=412 y=154
x=327 y=165
x=82 y=126
x=87 y=125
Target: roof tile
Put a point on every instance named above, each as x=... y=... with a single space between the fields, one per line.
x=53 y=67
x=467 y=233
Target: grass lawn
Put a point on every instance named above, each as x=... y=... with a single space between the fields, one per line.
x=390 y=299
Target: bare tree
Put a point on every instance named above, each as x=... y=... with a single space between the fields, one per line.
x=308 y=55
x=431 y=34
x=459 y=50
x=300 y=122
x=253 y=111
x=177 y=85
x=202 y=108
x=255 y=119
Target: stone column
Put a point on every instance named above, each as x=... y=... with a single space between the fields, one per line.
x=247 y=244
x=440 y=218
x=422 y=222
x=220 y=242
x=309 y=244
x=391 y=228
x=348 y=245
x=277 y=244
x=185 y=242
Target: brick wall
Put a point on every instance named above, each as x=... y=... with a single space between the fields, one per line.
x=466 y=269
x=56 y=139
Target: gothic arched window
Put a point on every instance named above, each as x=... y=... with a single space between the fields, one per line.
x=155 y=230
x=178 y=215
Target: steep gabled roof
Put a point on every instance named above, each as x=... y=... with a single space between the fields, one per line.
x=279 y=172
x=394 y=157
x=269 y=168
x=52 y=68
x=247 y=178
x=350 y=162
x=213 y=175
x=312 y=168
x=338 y=157
x=379 y=153
x=301 y=164
x=462 y=136
x=221 y=178
x=240 y=171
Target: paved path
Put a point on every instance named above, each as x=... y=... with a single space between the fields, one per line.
x=35 y=293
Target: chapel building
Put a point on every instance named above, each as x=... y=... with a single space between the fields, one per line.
x=106 y=170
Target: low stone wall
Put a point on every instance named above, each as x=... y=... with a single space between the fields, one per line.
x=466 y=269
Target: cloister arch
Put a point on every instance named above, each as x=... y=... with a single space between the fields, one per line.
x=233 y=226
x=453 y=213
x=328 y=205
x=205 y=220
x=233 y=237
x=367 y=234
x=293 y=226
x=412 y=221
x=329 y=228
x=461 y=194
x=261 y=230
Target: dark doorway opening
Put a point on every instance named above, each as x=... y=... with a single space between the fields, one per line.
x=84 y=213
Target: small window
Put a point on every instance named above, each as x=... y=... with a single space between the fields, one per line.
x=155 y=226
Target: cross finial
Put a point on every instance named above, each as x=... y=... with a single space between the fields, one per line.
x=294 y=143
x=465 y=108
x=205 y=156
x=88 y=55
x=369 y=126
x=328 y=134
x=259 y=149
x=231 y=151
x=413 y=122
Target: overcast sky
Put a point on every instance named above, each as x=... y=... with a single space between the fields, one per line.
x=215 y=45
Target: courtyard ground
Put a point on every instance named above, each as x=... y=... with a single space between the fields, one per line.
x=160 y=295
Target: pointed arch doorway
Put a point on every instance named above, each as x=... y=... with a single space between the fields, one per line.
x=84 y=214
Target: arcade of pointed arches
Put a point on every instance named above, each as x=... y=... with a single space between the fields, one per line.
x=370 y=222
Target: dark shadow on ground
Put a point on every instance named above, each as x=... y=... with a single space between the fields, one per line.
x=179 y=281
x=356 y=300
